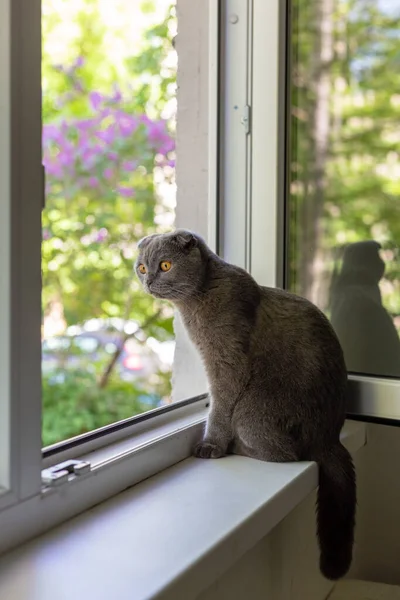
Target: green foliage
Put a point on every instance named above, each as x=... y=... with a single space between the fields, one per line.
x=160 y=89
x=345 y=139
x=76 y=405
x=107 y=138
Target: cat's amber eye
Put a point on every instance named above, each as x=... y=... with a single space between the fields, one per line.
x=142 y=269
x=165 y=265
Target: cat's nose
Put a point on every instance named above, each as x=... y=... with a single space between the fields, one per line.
x=150 y=279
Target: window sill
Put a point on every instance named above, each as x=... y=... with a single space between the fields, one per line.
x=145 y=450
x=168 y=537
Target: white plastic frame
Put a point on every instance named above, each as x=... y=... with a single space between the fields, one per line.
x=22 y=86
x=5 y=192
x=213 y=121
x=120 y=460
x=248 y=28
x=235 y=151
x=268 y=141
x=251 y=183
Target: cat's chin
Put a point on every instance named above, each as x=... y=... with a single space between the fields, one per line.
x=159 y=296
x=165 y=297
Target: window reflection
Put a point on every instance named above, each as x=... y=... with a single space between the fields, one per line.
x=366 y=330
x=344 y=205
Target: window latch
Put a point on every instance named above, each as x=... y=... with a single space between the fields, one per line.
x=65 y=471
x=246 y=119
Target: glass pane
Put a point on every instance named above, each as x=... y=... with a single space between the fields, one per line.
x=109 y=105
x=344 y=204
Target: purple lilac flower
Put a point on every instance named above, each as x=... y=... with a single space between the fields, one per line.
x=79 y=62
x=78 y=87
x=101 y=235
x=87 y=159
x=127 y=125
x=153 y=131
x=95 y=144
x=50 y=132
x=64 y=128
x=108 y=173
x=145 y=119
x=93 y=182
x=107 y=135
x=117 y=96
x=125 y=192
x=167 y=146
x=84 y=124
x=96 y=100
x=106 y=111
x=66 y=158
x=52 y=169
x=129 y=165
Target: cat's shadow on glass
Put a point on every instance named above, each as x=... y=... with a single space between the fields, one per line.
x=365 y=328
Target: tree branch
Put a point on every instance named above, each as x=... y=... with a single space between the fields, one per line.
x=105 y=377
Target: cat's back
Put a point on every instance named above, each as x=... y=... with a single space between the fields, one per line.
x=278 y=298
x=296 y=329
x=289 y=312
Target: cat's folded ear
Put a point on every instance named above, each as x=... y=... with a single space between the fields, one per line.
x=185 y=239
x=144 y=241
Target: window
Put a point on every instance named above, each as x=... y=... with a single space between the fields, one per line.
x=343 y=208
x=21 y=203
x=109 y=111
x=95 y=116
x=286 y=147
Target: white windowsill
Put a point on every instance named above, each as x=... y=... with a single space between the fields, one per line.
x=168 y=537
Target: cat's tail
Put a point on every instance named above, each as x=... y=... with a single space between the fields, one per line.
x=336 y=509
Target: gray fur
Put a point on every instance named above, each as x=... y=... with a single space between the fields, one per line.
x=276 y=374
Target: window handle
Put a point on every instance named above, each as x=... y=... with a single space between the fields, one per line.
x=64 y=472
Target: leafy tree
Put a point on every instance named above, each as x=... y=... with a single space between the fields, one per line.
x=106 y=143
x=344 y=149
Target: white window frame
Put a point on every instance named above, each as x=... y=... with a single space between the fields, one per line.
x=254 y=178
x=5 y=274
x=251 y=187
x=22 y=53
x=130 y=454
x=153 y=442
x=269 y=142
x=245 y=224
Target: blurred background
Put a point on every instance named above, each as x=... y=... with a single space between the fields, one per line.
x=109 y=120
x=343 y=209
x=109 y=109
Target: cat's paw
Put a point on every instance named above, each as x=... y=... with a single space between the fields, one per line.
x=208 y=450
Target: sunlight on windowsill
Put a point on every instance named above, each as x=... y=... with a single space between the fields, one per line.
x=184 y=527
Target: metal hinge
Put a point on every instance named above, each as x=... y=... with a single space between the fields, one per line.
x=65 y=471
x=246 y=119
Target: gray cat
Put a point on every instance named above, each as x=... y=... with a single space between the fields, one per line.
x=276 y=373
